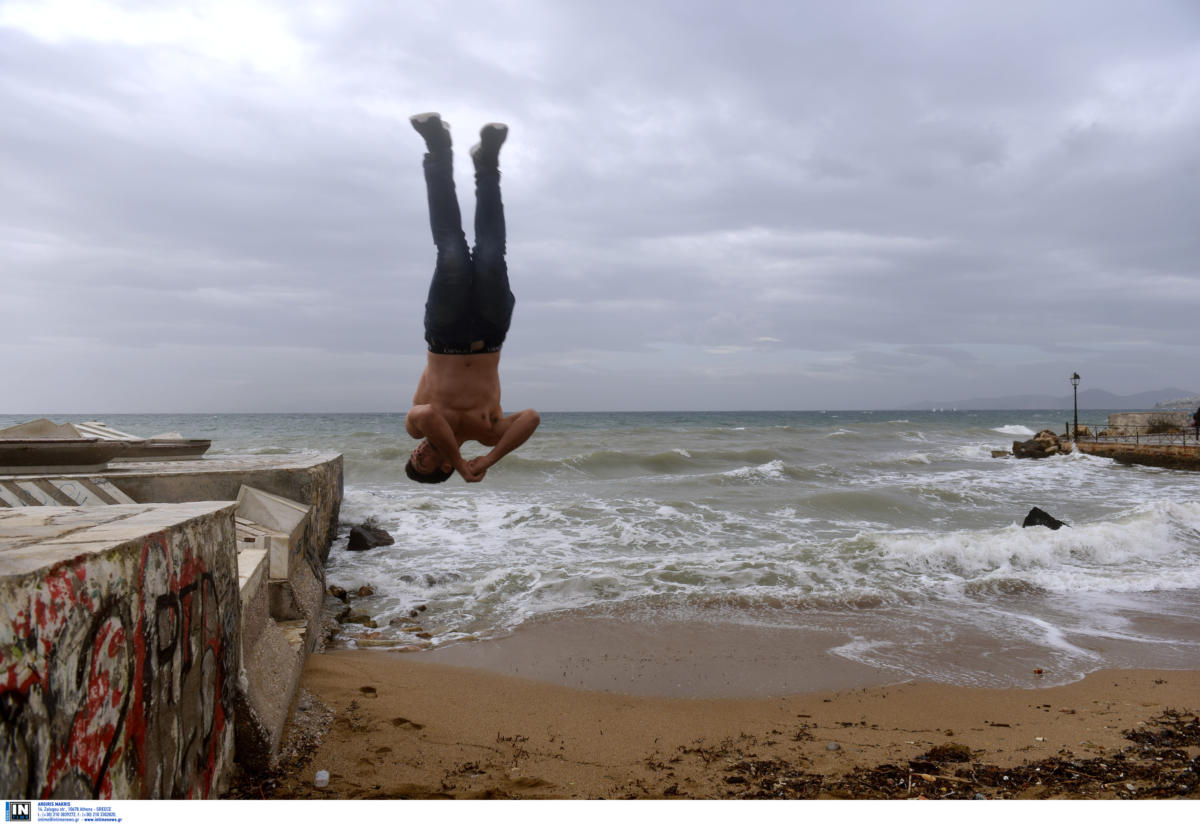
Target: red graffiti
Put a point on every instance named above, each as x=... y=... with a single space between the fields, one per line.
x=125 y=686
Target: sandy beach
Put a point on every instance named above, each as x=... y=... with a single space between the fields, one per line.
x=402 y=725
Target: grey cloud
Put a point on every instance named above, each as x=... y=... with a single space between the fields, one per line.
x=902 y=191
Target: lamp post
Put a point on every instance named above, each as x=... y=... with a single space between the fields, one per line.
x=1075 y=389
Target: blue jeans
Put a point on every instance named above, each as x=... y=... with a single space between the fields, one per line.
x=470 y=305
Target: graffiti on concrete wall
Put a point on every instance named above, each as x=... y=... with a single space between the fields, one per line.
x=119 y=677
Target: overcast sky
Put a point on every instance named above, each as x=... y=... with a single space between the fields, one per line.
x=210 y=207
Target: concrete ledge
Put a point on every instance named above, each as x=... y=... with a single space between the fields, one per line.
x=1168 y=456
x=119 y=650
x=315 y=481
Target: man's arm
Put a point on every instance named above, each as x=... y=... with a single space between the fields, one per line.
x=515 y=429
x=423 y=421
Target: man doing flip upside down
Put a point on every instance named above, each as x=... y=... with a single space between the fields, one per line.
x=467 y=316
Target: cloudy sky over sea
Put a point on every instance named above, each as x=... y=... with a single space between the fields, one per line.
x=218 y=206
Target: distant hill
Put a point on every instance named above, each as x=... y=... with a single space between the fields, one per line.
x=1088 y=399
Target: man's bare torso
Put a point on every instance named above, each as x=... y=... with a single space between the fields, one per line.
x=465 y=391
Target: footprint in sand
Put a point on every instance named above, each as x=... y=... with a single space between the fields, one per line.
x=404 y=722
x=369 y=691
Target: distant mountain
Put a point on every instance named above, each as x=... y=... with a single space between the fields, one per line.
x=1088 y=399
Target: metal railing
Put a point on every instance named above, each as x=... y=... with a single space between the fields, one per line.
x=1156 y=434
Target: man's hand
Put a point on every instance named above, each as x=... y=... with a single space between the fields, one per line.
x=469 y=471
x=477 y=467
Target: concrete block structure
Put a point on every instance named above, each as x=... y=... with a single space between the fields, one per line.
x=1121 y=423
x=119 y=650
x=155 y=619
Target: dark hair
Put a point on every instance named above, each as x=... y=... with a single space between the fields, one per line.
x=434 y=477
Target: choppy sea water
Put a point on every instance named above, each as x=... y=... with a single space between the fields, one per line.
x=898 y=531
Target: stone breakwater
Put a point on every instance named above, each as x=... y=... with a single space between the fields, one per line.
x=148 y=644
x=1168 y=456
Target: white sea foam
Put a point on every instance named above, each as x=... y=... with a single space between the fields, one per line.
x=768 y=471
x=823 y=526
x=1015 y=429
x=1152 y=549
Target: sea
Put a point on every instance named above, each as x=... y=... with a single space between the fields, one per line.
x=899 y=533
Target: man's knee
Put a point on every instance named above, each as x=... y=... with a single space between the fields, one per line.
x=454 y=261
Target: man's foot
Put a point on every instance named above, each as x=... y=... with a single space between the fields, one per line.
x=486 y=153
x=435 y=131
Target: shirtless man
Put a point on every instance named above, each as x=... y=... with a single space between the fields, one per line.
x=467 y=316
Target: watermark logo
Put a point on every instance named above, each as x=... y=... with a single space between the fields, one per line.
x=18 y=811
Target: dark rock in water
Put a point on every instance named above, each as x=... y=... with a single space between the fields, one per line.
x=339 y=593
x=361 y=618
x=1042 y=445
x=366 y=591
x=1038 y=517
x=432 y=580
x=365 y=536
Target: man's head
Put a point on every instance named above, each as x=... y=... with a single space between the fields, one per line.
x=427 y=466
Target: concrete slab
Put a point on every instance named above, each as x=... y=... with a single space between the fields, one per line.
x=284 y=518
x=119 y=650
x=55 y=491
x=32 y=538
x=40 y=428
x=9 y=498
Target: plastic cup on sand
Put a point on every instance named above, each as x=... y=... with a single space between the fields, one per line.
x=322 y=779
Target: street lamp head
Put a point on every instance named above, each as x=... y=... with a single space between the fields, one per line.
x=1075 y=379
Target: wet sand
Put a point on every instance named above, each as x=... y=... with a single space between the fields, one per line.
x=404 y=725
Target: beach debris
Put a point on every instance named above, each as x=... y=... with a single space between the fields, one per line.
x=1163 y=763
x=368 y=536
x=948 y=752
x=321 y=779
x=833 y=746
x=1039 y=517
x=1039 y=671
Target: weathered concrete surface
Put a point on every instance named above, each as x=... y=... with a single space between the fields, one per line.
x=76 y=491
x=1170 y=456
x=1131 y=422
x=119 y=650
x=275 y=636
x=315 y=481
x=286 y=519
